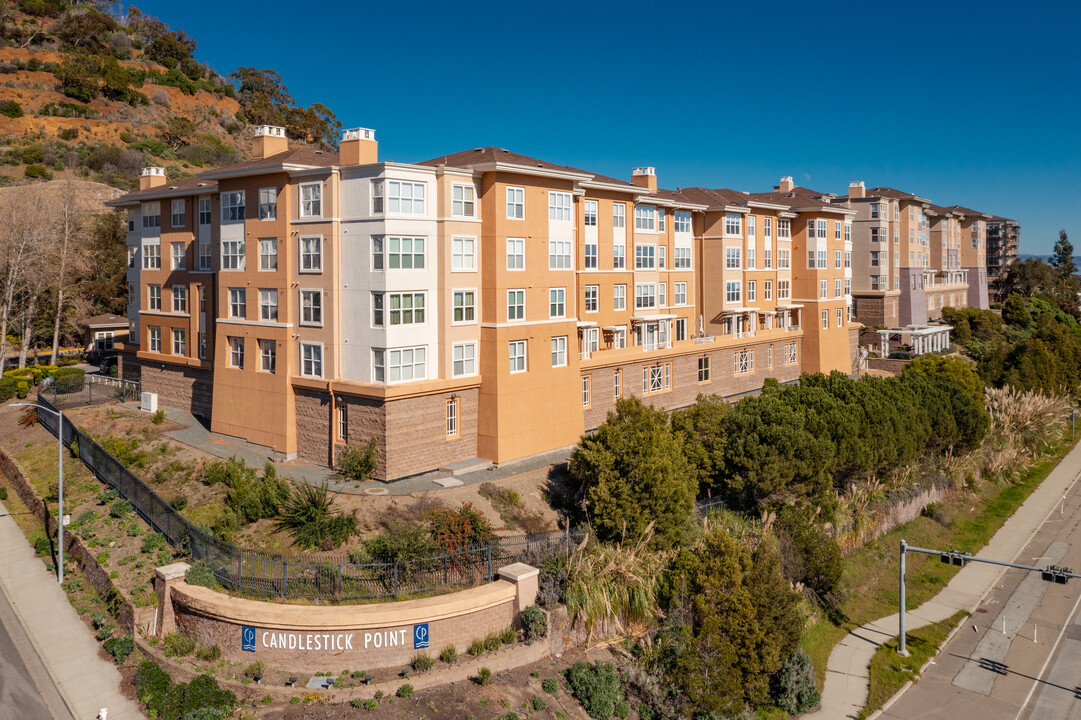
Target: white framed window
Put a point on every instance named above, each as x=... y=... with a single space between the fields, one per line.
x=515 y=253
x=204 y=211
x=732 y=292
x=559 y=206
x=743 y=362
x=732 y=225
x=767 y=290
x=821 y=258
x=205 y=261
x=783 y=289
x=177 y=207
x=790 y=353
x=311 y=199
x=407 y=308
x=769 y=357
x=154 y=338
x=656 y=378
x=517 y=356
x=132 y=252
x=405 y=197
x=683 y=221
x=645 y=218
x=645 y=257
x=585 y=391
x=825 y=319
x=236 y=352
x=589 y=213
x=619 y=337
x=619 y=215
x=463 y=201
x=682 y=258
x=836 y=229
x=680 y=293
x=377 y=196
x=704 y=369
x=848 y=258
x=268 y=356
x=784 y=259
x=559 y=254
x=591 y=304
x=180 y=299
x=153 y=297
x=645 y=296
x=378 y=309
x=311 y=359
x=463 y=254
x=662 y=294
x=311 y=253
x=131 y=293
x=752 y=291
x=515 y=203
x=559 y=351
x=202 y=345
x=617 y=384
x=681 y=329
x=840 y=316
x=343 y=422
x=822 y=289
x=848 y=233
x=377 y=252
x=750 y=258
x=837 y=259
x=232 y=206
x=660 y=219
x=180 y=341
x=619 y=256
x=268 y=304
x=238 y=303
x=400 y=364
x=619 y=297
x=784 y=229
x=591 y=339
x=268 y=254
x=837 y=283
x=515 y=305
x=179 y=256
x=151 y=215
x=151 y=256
x=268 y=203
x=661 y=256
x=465 y=306
x=590 y=255
x=732 y=260
x=311 y=307
x=232 y=255
x=767 y=259
x=464 y=358
x=557 y=302
x=452 y=417
x=767 y=227
x=405 y=253
x=131 y=220
x=751 y=235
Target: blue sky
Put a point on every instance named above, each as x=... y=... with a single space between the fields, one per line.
x=973 y=103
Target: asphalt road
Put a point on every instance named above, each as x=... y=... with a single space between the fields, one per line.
x=1018 y=657
x=26 y=690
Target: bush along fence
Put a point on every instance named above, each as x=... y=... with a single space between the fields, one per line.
x=263 y=574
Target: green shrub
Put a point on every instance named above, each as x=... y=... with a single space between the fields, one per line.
x=179 y=645
x=37 y=172
x=476 y=648
x=357 y=462
x=256 y=668
x=107 y=495
x=371 y=705
x=422 y=662
x=453 y=531
x=106 y=631
x=3 y=493
x=42 y=546
x=209 y=654
x=405 y=691
x=493 y=642
x=119 y=509
x=817 y=561
x=357 y=703
x=7 y=389
x=448 y=654
x=158 y=418
x=484 y=676
x=11 y=109
x=152 y=542
x=200 y=573
x=550 y=685
x=179 y=502
x=534 y=623
x=537 y=703
x=509 y=635
x=596 y=687
x=309 y=515
x=194 y=700
x=400 y=543
x=152 y=684
x=793 y=686
x=120 y=648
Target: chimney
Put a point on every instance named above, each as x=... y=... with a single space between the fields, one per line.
x=270 y=140
x=358 y=147
x=786 y=184
x=151 y=177
x=645 y=177
x=856 y=189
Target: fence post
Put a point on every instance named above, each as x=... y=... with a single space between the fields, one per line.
x=489 y=562
x=239 y=571
x=446 y=571
x=285 y=576
x=395 y=578
x=339 y=578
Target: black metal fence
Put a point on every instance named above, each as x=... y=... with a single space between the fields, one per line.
x=265 y=574
x=89 y=390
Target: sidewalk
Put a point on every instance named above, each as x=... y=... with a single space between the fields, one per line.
x=59 y=637
x=846 y=688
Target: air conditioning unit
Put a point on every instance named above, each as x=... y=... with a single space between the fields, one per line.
x=149 y=402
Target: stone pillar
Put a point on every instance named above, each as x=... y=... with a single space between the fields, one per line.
x=526 y=579
x=165 y=577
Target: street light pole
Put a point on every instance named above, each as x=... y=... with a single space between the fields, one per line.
x=60 y=483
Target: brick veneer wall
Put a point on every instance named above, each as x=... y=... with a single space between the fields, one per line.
x=417 y=431
x=191 y=389
x=313 y=417
x=685 y=386
x=890 y=365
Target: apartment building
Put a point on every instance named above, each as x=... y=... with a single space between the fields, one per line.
x=1003 y=247
x=482 y=304
x=974 y=253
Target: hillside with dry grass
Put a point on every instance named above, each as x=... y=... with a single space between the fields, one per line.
x=102 y=91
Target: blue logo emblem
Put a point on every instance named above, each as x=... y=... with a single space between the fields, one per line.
x=420 y=636
x=247 y=638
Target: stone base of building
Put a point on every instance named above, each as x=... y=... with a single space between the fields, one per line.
x=187 y=388
x=876 y=310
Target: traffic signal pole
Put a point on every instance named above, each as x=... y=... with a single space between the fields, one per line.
x=1051 y=573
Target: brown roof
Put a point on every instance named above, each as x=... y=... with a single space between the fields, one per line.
x=717 y=196
x=996 y=218
x=675 y=196
x=188 y=184
x=106 y=319
x=966 y=211
x=486 y=155
x=300 y=155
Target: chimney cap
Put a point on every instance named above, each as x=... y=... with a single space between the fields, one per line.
x=855 y=183
x=648 y=170
x=358 y=133
x=268 y=130
x=153 y=172
x=786 y=178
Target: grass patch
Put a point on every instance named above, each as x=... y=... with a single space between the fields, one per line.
x=889 y=671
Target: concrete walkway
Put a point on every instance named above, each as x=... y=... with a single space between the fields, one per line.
x=196 y=435
x=846 y=688
x=67 y=650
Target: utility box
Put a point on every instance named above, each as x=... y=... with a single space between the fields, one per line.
x=149 y=402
